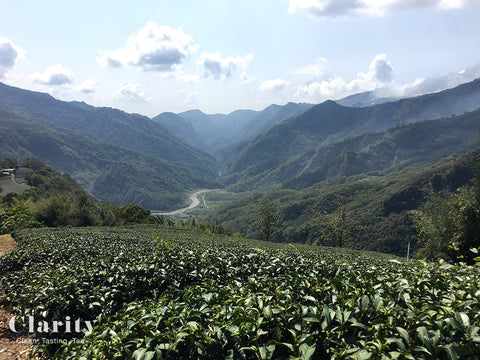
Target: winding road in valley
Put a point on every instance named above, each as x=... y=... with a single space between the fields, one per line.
x=194 y=197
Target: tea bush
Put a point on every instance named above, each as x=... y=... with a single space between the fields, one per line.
x=179 y=298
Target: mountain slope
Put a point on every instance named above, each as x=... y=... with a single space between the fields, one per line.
x=181 y=128
x=216 y=130
x=107 y=125
x=363 y=99
x=271 y=116
x=330 y=122
x=222 y=133
x=378 y=206
x=380 y=153
x=370 y=154
x=111 y=173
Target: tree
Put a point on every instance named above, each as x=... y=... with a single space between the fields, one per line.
x=449 y=223
x=267 y=219
x=337 y=226
x=131 y=213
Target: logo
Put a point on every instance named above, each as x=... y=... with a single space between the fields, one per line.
x=67 y=326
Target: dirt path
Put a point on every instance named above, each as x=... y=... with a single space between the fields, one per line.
x=11 y=346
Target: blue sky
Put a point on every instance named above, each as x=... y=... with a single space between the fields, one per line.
x=221 y=55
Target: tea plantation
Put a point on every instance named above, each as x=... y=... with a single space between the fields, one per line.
x=169 y=293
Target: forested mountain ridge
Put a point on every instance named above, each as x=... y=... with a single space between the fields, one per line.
x=111 y=126
x=377 y=209
x=330 y=122
x=111 y=173
x=376 y=153
x=122 y=157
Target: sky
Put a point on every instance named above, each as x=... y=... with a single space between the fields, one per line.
x=153 y=56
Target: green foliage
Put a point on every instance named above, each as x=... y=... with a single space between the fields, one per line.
x=449 y=223
x=55 y=199
x=378 y=209
x=244 y=299
x=16 y=218
x=266 y=220
x=337 y=227
x=164 y=244
x=449 y=226
x=133 y=214
x=8 y=164
x=208 y=228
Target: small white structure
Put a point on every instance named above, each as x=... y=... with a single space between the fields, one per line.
x=7 y=171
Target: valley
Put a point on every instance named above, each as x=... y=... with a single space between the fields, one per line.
x=384 y=157
x=339 y=195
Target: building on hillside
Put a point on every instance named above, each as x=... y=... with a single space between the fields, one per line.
x=6 y=171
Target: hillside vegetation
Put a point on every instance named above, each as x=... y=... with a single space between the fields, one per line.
x=376 y=153
x=325 y=167
x=111 y=173
x=56 y=200
x=378 y=207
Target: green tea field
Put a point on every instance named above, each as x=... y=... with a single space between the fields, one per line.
x=149 y=292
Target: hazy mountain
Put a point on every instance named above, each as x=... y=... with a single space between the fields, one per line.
x=216 y=129
x=111 y=173
x=330 y=122
x=181 y=128
x=227 y=131
x=271 y=116
x=367 y=98
x=263 y=121
x=107 y=125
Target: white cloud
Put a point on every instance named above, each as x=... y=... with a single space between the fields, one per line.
x=152 y=48
x=380 y=78
x=380 y=74
x=179 y=74
x=9 y=53
x=333 y=8
x=187 y=99
x=274 y=85
x=132 y=92
x=88 y=86
x=55 y=75
x=218 y=67
x=322 y=69
x=380 y=71
x=437 y=82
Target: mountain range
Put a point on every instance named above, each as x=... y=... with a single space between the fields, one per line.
x=120 y=157
x=329 y=123
x=214 y=133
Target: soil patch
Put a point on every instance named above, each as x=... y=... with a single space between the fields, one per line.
x=6 y=244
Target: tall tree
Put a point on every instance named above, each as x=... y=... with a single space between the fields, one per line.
x=337 y=227
x=267 y=219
